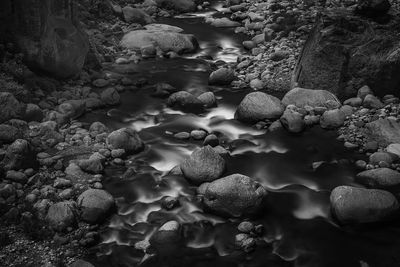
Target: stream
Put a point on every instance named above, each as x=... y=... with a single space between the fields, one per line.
x=299 y=171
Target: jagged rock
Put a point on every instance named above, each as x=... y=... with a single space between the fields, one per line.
x=234 y=195
x=126 y=139
x=95 y=205
x=359 y=205
x=61 y=215
x=301 y=97
x=379 y=178
x=258 y=106
x=203 y=165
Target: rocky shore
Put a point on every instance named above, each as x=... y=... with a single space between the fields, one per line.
x=53 y=204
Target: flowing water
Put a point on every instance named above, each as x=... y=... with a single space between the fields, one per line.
x=299 y=171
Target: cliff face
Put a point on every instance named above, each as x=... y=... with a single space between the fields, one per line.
x=48 y=33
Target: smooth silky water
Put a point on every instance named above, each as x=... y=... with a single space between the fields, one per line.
x=299 y=171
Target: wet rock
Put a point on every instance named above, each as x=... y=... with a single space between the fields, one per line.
x=126 y=139
x=70 y=109
x=354 y=102
x=222 y=76
x=258 y=106
x=76 y=175
x=246 y=227
x=185 y=101
x=95 y=205
x=136 y=15
x=97 y=128
x=379 y=178
x=165 y=40
x=301 y=97
x=245 y=242
x=257 y=84
x=208 y=99
x=110 y=96
x=292 y=121
x=10 y=107
x=92 y=165
x=162 y=27
x=359 y=205
x=203 y=165
x=182 y=135
x=224 y=23
x=371 y=101
x=198 y=134
x=211 y=140
x=61 y=215
x=163 y=90
x=167 y=238
x=332 y=119
x=383 y=131
x=234 y=195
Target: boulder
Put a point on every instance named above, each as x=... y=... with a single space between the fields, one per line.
x=61 y=215
x=222 y=76
x=81 y=263
x=126 y=139
x=163 y=27
x=203 y=165
x=165 y=40
x=394 y=149
x=224 y=23
x=258 y=106
x=372 y=102
x=19 y=155
x=33 y=113
x=345 y=52
x=208 y=99
x=185 y=101
x=234 y=195
x=379 y=178
x=95 y=205
x=359 y=205
x=301 y=97
x=9 y=134
x=11 y=108
x=167 y=238
x=136 y=15
x=177 y=5
x=332 y=119
x=293 y=121
x=383 y=131
x=110 y=96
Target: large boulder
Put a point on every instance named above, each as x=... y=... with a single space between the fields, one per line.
x=167 y=238
x=234 y=195
x=383 y=131
x=259 y=106
x=359 y=205
x=293 y=121
x=61 y=215
x=185 y=101
x=203 y=165
x=301 y=97
x=165 y=40
x=136 y=15
x=222 y=76
x=379 y=178
x=95 y=205
x=345 y=52
x=332 y=119
x=11 y=108
x=49 y=34
x=125 y=138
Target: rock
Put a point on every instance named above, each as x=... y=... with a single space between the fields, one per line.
x=347 y=110
x=50 y=36
x=373 y=8
x=364 y=91
x=224 y=23
x=208 y=99
x=203 y=165
x=95 y=205
x=165 y=40
x=249 y=45
x=371 y=102
x=81 y=263
x=279 y=55
x=33 y=113
x=234 y=195
x=332 y=119
x=246 y=227
x=292 y=121
x=11 y=108
x=354 y=102
x=377 y=157
x=126 y=139
x=100 y=83
x=19 y=155
x=136 y=15
x=222 y=76
x=383 y=131
x=97 y=128
x=177 y=5
x=359 y=205
x=211 y=140
x=379 y=178
x=16 y=176
x=76 y=175
x=198 y=134
x=182 y=135
x=163 y=27
x=163 y=90
x=70 y=109
x=185 y=101
x=61 y=215
x=167 y=238
x=92 y=165
x=9 y=134
x=258 y=106
x=394 y=149
x=301 y=97
x=257 y=84
x=110 y=96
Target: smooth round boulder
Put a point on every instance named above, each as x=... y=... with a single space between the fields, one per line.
x=332 y=119
x=222 y=76
x=301 y=97
x=292 y=121
x=377 y=157
x=379 y=178
x=203 y=165
x=61 y=215
x=359 y=205
x=393 y=149
x=127 y=139
x=208 y=99
x=258 y=106
x=234 y=195
x=95 y=205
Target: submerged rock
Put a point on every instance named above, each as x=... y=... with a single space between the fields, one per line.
x=234 y=195
x=360 y=205
x=204 y=165
x=258 y=106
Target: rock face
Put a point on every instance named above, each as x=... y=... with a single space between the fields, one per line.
x=301 y=97
x=165 y=40
x=127 y=139
x=49 y=34
x=234 y=195
x=379 y=178
x=343 y=53
x=383 y=131
x=359 y=205
x=259 y=106
x=95 y=205
x=204 y=165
